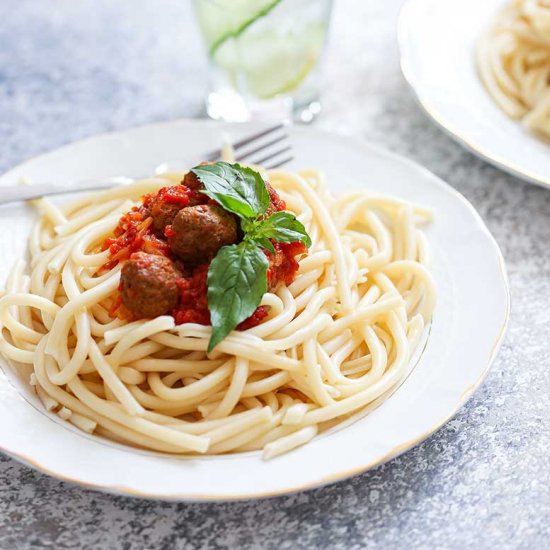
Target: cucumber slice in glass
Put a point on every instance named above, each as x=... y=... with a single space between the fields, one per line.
x=265 y=63
x=221 y=20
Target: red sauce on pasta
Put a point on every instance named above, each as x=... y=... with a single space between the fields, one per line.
x=145 y=229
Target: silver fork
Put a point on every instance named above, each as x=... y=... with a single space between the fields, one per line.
x=269 y=148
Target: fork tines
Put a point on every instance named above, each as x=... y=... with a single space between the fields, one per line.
x=268 y=148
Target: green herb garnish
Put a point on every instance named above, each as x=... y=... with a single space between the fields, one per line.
x=236 y=188
x=237 y=280
x=237 y=276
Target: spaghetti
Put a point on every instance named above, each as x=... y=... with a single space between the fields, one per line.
x=514 y=62
x=336 y=340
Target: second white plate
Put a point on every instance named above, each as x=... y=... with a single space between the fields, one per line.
x=437 y=39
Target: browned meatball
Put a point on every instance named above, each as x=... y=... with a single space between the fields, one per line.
x=190 y=180
x=200 y=231
x=148 y=285
x=163 y=214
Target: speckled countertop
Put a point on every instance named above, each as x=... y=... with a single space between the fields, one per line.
x=69 y=69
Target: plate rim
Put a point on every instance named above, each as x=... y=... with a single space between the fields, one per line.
x=395 y=451
x=441 y=120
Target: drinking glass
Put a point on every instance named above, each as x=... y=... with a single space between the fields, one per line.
x=265 y=57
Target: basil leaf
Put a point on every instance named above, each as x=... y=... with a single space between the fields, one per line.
x=282 y=227
x=264 y=242
x=237 y=281
x=236 y=188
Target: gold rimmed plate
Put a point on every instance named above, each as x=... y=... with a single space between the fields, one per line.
x=437 y=40
x=456 y=353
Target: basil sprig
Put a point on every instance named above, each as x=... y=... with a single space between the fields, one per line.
x=237 y=276
x=236 y=188
x=237 y=280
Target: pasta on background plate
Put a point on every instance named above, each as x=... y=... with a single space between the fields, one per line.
x=514 y=62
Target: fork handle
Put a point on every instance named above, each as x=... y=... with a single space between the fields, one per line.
x=15 y=193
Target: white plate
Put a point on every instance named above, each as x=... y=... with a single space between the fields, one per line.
x=437 y=40
x=468 y=325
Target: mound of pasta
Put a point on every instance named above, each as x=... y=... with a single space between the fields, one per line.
x=514 y=62
x=201 y=324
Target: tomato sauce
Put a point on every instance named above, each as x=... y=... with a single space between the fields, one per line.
x=283 y=265
x=193 y=304
x=134 y=233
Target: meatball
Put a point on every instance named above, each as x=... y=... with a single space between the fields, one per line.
x=148 y=285
x=163 y=214
x=165 y=204
x=198 y=232
x=190 y=180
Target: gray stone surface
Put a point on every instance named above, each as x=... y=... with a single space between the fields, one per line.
x=69 y=69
